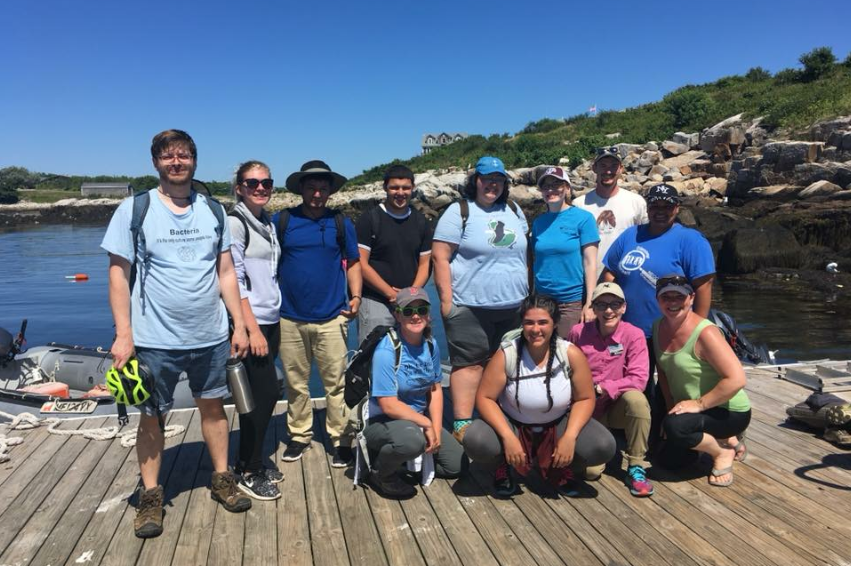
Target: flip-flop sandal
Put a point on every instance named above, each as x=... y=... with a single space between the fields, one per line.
x=722 y=472
x=740 y=448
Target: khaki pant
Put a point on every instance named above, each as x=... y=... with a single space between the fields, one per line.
x=301 y=343
x=631 y=413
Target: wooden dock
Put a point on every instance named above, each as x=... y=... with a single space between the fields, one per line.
x=65 y=501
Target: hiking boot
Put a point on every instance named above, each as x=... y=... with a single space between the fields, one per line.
x=570 y=486
x=839 y=415
x=223 y=489
x=343 y=457
x=273 y=475
x=295 y=450
x=503 y=483
x=258 y=487
x=149 y=513
x=637 y=482
x=392 y=486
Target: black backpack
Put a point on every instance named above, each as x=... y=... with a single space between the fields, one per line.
x=358 y=377
x=339 y=222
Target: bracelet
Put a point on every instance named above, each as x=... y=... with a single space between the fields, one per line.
x=358 y=297
x=701 y=403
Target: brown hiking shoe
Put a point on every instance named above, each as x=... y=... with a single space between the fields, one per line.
x=223 y=489
x=149 y=513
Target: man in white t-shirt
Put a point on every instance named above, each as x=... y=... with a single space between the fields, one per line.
x=615 y=209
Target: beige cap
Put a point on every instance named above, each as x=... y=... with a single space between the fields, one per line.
x=608 y=288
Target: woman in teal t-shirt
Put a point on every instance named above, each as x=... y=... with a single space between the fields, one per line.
x=564 y=251
x=703 y=384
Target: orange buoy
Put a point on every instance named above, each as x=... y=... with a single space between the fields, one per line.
x=78 y=277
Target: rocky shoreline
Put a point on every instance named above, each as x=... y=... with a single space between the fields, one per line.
x=764 y=203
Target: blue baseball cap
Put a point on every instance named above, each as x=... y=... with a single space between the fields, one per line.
x=488 y=164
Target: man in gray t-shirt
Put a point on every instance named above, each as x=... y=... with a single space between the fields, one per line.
x=173 y=320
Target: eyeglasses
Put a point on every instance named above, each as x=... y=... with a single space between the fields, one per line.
x=252 y=184
x=183 y=157
x=676 y=280
x=611 y=150
x=400 y=187
x=499 y=181
x=603 y=306
x=421 y=310
x=553 y=185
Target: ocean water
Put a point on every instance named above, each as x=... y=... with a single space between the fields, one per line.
x=36 y=261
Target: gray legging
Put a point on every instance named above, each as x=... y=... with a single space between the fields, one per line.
x=393 y=442
x=594 y=447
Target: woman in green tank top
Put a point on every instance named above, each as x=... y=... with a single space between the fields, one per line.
x=703 y=384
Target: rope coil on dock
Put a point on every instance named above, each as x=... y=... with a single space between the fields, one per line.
x=28 y=421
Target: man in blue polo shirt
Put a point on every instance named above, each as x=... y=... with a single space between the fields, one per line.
x=319 y=253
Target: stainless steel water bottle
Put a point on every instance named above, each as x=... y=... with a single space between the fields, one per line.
x=240 y=389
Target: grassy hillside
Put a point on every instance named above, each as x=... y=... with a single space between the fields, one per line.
x=791 y=100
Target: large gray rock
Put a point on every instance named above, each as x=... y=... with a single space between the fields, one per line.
x=686 y=158
x=822 y=131
x=730 y=132
x=774 y=191
x=649 y=158
x=674 y=148
x=749 y=249
x=689 y=140
x=819 y=189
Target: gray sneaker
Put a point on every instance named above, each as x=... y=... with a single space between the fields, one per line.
x=273 y=475
x=258 y=487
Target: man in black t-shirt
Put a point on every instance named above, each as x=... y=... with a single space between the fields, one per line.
x=395 y=248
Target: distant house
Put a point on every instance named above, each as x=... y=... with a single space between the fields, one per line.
x=115 y=190
x=431 y=141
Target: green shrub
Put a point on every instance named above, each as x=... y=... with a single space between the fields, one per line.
x=788 y=76
x=817 y=62
x=8 y=196
x=757 y=74
x=690 y=107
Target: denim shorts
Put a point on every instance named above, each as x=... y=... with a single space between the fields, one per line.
x=200 y=371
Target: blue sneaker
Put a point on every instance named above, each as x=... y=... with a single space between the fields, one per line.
x=636 y=480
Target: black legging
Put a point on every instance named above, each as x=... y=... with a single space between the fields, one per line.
x=264 y=387
x=685 y=431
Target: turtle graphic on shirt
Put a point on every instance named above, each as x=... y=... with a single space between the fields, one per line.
x=501 y=237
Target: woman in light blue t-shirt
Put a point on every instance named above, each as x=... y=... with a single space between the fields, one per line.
x=564 y=251
x=479 y=254
x=406 y=400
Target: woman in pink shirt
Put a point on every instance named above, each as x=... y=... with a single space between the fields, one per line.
x=617 y=355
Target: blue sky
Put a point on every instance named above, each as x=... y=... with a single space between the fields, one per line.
x=87 y=83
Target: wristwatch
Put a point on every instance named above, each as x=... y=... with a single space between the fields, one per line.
x=598 y=390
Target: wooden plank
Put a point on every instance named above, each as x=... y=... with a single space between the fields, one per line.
x=124 y=547
x=773 y=549
x=177 y=490
x=22 y=475
x=98 y=533
x=650 y=513
x=261 y=530
x=60 y=493
x=326 y=529
x=39 y=486
x=361 y=534
x=561 y=537
x=396 y=534
x=495 y=534
x=18 y=455
x=523 y=531
x=767 y=513
x=62 y=539
x=193 y=544
x=229 y=529
x=432 y=540
x=632 y=522
x=293 y=528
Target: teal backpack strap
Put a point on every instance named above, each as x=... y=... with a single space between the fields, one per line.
x=464 y=207
x=141 y=203
x=219 y=212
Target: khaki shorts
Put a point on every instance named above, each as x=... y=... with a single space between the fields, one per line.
x=474 y=334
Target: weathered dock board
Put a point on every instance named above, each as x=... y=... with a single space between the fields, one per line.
x=66 y=500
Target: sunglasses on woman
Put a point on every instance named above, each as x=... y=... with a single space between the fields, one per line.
x=252 y=184
x=421 y=310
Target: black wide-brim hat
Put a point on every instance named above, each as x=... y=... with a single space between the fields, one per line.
x=315 y=167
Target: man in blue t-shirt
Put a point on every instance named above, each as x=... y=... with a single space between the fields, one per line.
x=644 y=253
x=173 y=318
x=316 y=263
